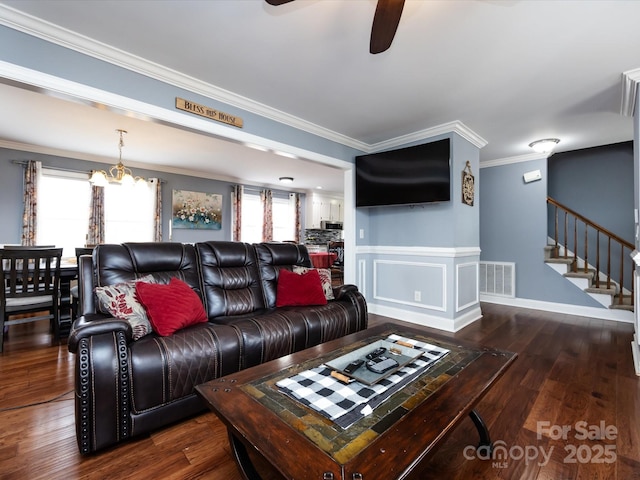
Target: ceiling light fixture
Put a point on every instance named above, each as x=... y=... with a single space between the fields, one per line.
x=545 y=145
x=286 y=179
x=117 y=173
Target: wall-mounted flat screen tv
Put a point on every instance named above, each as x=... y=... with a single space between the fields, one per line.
x=407 y=176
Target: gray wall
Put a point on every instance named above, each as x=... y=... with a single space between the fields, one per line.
x=11 y=188
x=420 y=263
x=446 y=224
x=42 y=56
x=514 y=229
x=597 y=183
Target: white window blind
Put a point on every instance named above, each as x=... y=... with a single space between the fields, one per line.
x=129 y=213
x=63 y=210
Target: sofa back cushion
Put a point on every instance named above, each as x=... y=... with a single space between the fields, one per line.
x=230 y=278
x=131 y=261
x=272 y=257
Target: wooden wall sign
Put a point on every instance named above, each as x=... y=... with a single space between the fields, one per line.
x=208 y=112
x=468 y=185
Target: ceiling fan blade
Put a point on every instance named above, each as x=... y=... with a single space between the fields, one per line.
x=275 y=3
x=385 y=24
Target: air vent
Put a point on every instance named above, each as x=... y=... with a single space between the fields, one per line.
x=498 y=278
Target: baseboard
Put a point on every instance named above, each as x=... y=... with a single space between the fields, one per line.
x=432 y=321
x=624 y=316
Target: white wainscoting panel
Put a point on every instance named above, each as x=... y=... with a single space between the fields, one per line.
x=467 y=285
x=397 y=281
x=362 y=277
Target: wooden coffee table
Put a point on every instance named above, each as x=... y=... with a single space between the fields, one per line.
x=401 y=432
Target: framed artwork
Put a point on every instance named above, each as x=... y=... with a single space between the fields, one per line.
x=196 y=210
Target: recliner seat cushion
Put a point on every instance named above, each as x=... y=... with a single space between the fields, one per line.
x=164 y=369
x=278 y=332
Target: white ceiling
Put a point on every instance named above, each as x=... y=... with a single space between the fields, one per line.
x=510 y=71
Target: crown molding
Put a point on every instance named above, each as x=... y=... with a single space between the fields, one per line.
x=57 y=35
x=630 y=80
x=517 y=159
x=66 y=38
x=455 y=127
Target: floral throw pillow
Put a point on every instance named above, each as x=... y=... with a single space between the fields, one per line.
x=120 y=301
x=325 y=279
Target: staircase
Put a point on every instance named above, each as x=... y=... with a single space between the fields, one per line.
x=592 y=241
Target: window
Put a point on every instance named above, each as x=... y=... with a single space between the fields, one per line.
x=283 y=214
x=251 y=217
x=63 y=211
x=128 y=212
x=284 y=218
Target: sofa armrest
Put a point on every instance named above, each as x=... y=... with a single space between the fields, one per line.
x=343 y=291
x=103 y=385
x=350 y=293
x=96 y=324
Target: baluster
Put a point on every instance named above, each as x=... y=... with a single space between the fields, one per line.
x=621 y=272
x=566 y=232
x=586 y=249
x=597 y=258
x=609 y=262
x=575 y=245
x=555 y=233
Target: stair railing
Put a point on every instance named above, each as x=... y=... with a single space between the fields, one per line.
x=573 y=219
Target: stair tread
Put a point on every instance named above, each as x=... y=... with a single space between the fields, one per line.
x=580 y=274
x=602 y=290
x=567 y=261
x=590 y=275
x=617 y=306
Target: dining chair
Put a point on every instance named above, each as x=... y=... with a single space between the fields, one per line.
x=75 y=290
x=29 y=286
x=337 y=268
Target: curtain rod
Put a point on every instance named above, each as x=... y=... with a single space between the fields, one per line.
x=61 y=169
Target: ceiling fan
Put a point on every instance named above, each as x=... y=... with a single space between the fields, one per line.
x=385 y=22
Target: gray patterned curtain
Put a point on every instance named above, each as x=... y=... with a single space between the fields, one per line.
x=236 y=212
x=30 y=215
x=298 y=217
x=157 y=221
x=95 y=235
x=266 y=196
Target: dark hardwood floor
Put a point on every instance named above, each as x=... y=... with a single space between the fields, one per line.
x=572 y=373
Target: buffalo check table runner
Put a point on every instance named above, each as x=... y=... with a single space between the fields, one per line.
x=339 y=402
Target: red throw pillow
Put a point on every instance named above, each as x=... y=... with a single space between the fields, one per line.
x=297 y=290
x=170 y=307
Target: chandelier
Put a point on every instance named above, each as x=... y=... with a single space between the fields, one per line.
x=117 y=173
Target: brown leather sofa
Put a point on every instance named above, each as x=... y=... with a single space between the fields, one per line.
x=126 y=388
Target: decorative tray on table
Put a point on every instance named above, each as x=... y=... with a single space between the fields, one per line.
x=398 y=354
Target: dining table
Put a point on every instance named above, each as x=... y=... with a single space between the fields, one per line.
x=323 y=259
